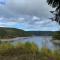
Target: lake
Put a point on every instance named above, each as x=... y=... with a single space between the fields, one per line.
x=41 y=41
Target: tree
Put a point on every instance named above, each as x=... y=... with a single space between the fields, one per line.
x=56 y=40
x=55 y=4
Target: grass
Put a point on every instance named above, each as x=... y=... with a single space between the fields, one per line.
x=26 y=51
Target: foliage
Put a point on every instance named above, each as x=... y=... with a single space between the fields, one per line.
x=56 y=4
x=56 y=39
x=12 y=33
x=56 y=36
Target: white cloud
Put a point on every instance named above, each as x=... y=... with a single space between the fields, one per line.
x=16 y=20
x=28 y=14
x=26 y=7
x=22 y=23
x=35 y=18
x=7 y=24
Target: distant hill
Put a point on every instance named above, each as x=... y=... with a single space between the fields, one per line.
x=6 y=33
x=12 y=33
x=43 y=33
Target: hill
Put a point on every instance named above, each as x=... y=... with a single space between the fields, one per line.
x=43 y=33
x=12 y=33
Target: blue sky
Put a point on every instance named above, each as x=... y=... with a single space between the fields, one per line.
x=27 y=15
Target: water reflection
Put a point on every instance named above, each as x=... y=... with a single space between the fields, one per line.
x=41 y=41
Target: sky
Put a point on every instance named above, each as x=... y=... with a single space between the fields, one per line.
x=29 y=15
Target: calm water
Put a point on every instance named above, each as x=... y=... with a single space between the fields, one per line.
x=41 y=41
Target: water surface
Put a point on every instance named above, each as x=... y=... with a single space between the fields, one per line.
x=41 y=41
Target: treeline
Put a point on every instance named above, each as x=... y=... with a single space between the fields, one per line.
x=56 y=39
x=26 y=51
x=56 y=35
x=12 y=33
x=42 y=33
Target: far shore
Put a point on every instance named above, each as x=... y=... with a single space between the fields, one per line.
x=18 y=38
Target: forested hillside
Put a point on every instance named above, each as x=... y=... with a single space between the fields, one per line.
x=12 y=33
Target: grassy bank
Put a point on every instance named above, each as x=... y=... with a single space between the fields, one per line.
x=26 y=51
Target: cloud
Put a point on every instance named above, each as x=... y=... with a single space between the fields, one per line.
x=4 y=22
x=29 y=23
x=27 y=15
x=32 y=24
x=26 y=7
x=35 y=18
x=16 y=20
